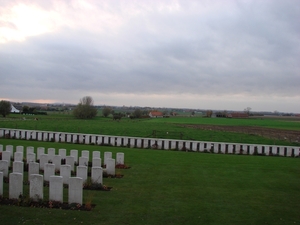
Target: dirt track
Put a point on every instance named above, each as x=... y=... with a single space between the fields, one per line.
x=289 y=135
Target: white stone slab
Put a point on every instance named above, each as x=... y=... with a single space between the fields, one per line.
x=107 y=155
x=18 y=156
x=110 y=167
x=10 y=148
x=51 y=154
x=223 y=148
x=139 y=143
x=30 y=157
x=281 y=150
x=173 y=145
x=57 y=162
x=251 y=149
x=40 y=136
x=83 y=161
x=230 y=148
x=33 y=168
x=194 y=146
x=20 y=149
x=259 y=149
x=75 y=190
x=1 y=183
x=82 y=171
x=29 y=149
x=63 y=137
x=18 y=167
x=65 y=173
x=40 y=151
x=36 y=187
x=43 y=161
x=15 y=185
x=96 y=154
x=74 y=153
x=70 y=161
x=202 y=146
x=289 y=151
x=85 y=154
x=4 y=167
x=69 y=138
x=93 y=139
x=49 y=171
x=96 y=162
x=97 y=175
x=62 y=152
x=56 y=188
x=6 y=157
x=120 y=158
x=1 y=148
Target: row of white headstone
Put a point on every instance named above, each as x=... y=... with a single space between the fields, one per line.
x=36 y=188
x=163 y=144
x=49 y=169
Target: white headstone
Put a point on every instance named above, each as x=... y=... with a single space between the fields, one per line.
x=56 y=188
x=75 y=190
x=74 y=153
x=62 y=153
x=1 y=148
x=10 y=148
x=40 y=151
x=20 y=149
x=18 y=167
x=110 y=167
x=15 y=185
x=230 y=148
x=120 y=158
x=97 y=175
x=49 y=171
x=251 y=149
x=85 y=154
x=1 y=183
x=65 y=173
x=107 y=155
x=83 y=161
x=36 y=183
x=29 y=149
x=51 y=154
x=6 y=157
x=96 y=154
x=82 y=172
x=30 y=157
x=70 y=161
x=33 y=168
x=96 y=162
x=18 y=156
x=4 y=167
x=57 y=162
x=43 y=161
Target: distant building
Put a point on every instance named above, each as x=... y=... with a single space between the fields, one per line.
x=14 y=110
x=155 y=114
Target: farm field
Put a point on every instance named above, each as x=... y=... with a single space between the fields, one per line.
x=175 y=187
x=271 y=131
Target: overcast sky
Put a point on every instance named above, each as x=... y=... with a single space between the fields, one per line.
x=200 y=54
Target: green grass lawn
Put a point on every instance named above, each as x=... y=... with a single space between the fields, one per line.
x=174 y=187
x=156 y=128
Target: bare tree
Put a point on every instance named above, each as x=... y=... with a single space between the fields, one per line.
x=87 y=100
x=85 y=108
x=247 y=110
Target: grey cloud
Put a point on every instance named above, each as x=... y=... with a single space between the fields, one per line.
x=253 y=50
